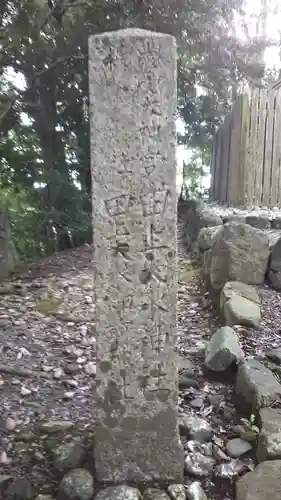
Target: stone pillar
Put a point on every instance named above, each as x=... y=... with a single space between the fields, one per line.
x=132 y=85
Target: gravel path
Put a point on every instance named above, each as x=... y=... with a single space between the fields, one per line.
x=47 y=366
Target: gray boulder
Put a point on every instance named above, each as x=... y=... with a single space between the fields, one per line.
x=195 y=428
x=274 y=271
x=256 y=386
x=69 y=456
x=194 y=491
x=240 y=304
x=241 y=311
x=223 y=350
x=237 y=447
x=276 y=223
x=206 y=237
x=233 y=288
x=208 y=218
x=238 y=219
x=177 y=491
x=77 y=484
x=258 y=221
x=239 y=253
x=269 y=439
x=262 y=483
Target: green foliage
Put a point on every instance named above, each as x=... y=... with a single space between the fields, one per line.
x=45 y=166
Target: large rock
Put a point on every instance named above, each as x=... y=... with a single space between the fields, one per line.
x=223 y=350
x=208 y=218
x=20 y=489
x=77 y=484
x=258 y=221
x=241 y=311
x=269 y=439
x=262 y=483
x=240 y=304
x=233 y=288
x=256 y=386
x=237 y=447
x=238 y=219
x=195 y=428
x=206 y=237
x=68 y=456
x=274 y=271
x=239 y=253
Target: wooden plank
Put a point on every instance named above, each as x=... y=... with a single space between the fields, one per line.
x=235 y=151
x=242 y=138
x=266 y=199
x=247 y=140
x=255 y=130
x=225 y=155
x=260 y=146
x=251 y=164
x=275 y=151
x=230 y=156
x=218 y=164
x=277 y=139
x=213 y=165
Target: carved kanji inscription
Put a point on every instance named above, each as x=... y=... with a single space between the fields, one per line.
x=133 y=141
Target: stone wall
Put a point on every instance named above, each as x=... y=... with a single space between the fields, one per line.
x=233 y=244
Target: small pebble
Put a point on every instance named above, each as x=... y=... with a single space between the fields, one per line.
x=58 y=373
x=237 y=447
x=10 y=424
x=25 y=391
x=90 y=368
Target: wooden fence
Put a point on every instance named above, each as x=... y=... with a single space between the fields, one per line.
x=246 y=162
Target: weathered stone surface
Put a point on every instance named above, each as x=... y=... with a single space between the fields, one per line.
x=155 y=494
x=68 y=456
x=276 y=223
x=274 y=272
x=177 y=491
x=121 y=492
x=262 y=483
x=274 y=355
x=240 y=253
x=206 y=237
x=232 y=288
x=241 y=311
x=223 y=350
x=132 y=106
x=256 y=386
x=206 y=264
x=77 y=484
x=194 y=491
x=208 y=218
x=269 y=439
x=20 y=489
x=238 y=219
x=237 y=447
x=258 y=221
x=198 y=464
x=195 y=428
